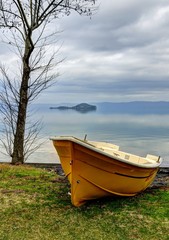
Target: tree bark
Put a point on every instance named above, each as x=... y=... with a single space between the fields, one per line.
x=18 y=149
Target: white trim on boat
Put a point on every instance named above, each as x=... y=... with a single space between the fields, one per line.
x=149 y=162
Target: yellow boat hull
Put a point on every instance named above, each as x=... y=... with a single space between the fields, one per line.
x=94 y=175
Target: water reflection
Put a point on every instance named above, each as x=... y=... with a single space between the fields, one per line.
x=138 y=134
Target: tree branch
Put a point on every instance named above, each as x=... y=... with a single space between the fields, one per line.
x=22 y=12
x=46 y=13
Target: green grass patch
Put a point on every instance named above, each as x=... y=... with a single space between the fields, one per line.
x=34 y=204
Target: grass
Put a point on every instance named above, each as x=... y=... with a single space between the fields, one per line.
x=35 y=205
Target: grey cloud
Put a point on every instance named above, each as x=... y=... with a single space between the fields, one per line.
x=120 y=86
x=115 y=26
x=121 y=53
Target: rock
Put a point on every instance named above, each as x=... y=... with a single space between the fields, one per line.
x=162 y=179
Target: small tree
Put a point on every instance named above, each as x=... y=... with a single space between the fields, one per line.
x=27 y=23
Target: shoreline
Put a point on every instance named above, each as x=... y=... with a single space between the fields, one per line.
x=58 y=164
x=161 y=180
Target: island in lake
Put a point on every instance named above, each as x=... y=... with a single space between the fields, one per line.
x=82 y=107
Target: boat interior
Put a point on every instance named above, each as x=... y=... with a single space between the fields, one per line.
x=114 y=151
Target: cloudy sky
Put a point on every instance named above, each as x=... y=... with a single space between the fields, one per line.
x=121 y=54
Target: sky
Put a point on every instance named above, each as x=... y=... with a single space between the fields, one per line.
x=121 y=54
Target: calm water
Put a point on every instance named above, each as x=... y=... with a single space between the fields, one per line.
x=138 y=132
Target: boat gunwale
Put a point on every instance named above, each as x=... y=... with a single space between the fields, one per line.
x=94 y=148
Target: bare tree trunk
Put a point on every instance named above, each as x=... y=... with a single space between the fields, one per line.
x=23 y=18
x=18 y=149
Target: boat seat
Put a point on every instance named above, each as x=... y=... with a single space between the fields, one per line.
x=127 y=156
x=113 y=150
x=103 y=145
x=152 y=158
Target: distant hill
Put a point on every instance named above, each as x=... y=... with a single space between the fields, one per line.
x=135 y=107
x=82 y=107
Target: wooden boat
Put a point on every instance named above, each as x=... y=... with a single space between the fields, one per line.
x=98 y=169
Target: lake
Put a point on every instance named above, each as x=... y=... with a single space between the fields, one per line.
x=139 y=128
